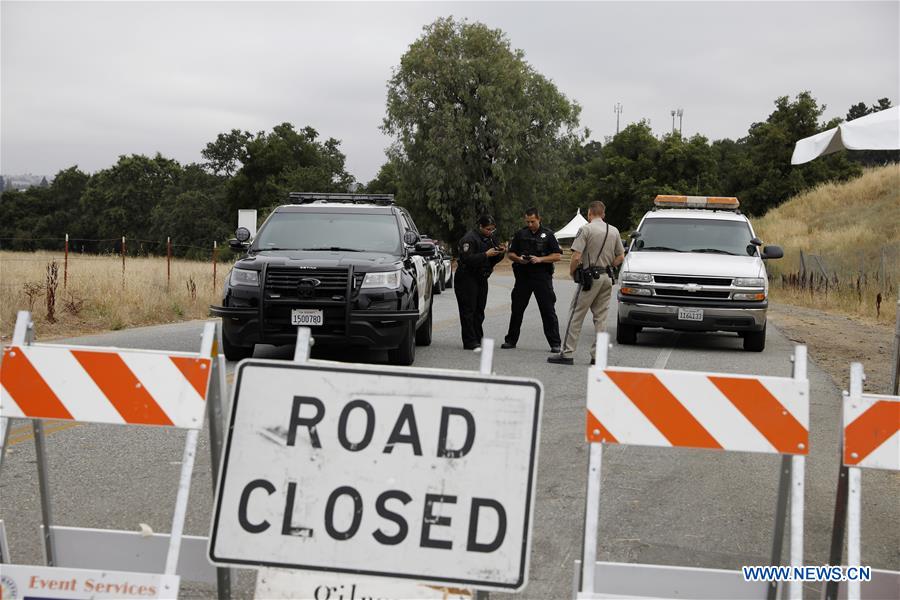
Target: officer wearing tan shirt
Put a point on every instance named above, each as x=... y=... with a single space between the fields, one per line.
x=596 y=247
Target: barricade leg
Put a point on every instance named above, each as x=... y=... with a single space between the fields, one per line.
x=592 y=502
x=214 y=410
x=853 y=528
x=781 y=507
x=4 y=434
x=187 y=467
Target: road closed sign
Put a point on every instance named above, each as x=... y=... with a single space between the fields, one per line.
x=412 y=474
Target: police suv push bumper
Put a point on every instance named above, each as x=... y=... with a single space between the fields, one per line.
x=425 y=475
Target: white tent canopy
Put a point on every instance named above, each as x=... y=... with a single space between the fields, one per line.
x=572 y=227
x=876 y=131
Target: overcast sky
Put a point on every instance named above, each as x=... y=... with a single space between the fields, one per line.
x=83 y=83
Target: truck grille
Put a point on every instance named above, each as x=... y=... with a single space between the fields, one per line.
x=723 y=281
x=285 y=283
x=700 y=294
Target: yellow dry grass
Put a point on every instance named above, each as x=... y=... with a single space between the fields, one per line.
x=107 y=300
x=850 y=225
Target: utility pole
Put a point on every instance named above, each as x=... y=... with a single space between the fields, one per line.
x=680 y=113
x=673 y=120
x=618 y=111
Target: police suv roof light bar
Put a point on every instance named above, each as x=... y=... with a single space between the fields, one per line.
x=310 y=197
x=708 y=202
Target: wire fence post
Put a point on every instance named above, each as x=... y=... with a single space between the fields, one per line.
x=66 y=265
x=123 y=262
x=215 y=257
x=168 y=263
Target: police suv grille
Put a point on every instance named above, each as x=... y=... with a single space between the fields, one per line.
x=284 y=282
x=724 y=281
x=688 y=294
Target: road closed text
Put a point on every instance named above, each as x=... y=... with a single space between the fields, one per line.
x=346 y=510
x=386 y=473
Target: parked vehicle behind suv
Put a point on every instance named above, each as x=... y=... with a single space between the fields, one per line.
x=694 y=264
x=351 y=267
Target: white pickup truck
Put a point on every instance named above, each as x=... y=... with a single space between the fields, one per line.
x=695 y=264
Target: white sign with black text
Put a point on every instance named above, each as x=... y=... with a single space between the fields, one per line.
x=417 y=474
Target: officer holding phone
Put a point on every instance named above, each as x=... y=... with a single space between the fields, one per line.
x=478 y=253
x=533 y=251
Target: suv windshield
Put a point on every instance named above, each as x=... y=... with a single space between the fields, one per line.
x=330 y=231
x=695 y=235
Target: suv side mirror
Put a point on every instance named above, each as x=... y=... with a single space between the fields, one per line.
x=410 y=238
x=426 y=249
x=772 y=252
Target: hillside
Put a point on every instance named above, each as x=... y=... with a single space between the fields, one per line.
x=847 y=223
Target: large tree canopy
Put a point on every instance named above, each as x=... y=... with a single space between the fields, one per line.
x=476 y=128
x=267 y=166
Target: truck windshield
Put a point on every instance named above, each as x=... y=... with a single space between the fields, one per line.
x=344 y=232
x=695 y=235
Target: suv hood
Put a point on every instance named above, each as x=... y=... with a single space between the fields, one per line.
x=694 y=263
x=361 y=261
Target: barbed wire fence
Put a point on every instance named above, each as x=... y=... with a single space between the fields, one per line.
x=104 y=249
x=869 y=274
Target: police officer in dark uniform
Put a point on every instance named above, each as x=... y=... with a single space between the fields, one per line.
x=533 y=251
x=478 y=253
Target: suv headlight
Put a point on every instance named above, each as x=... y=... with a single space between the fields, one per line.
x=642 y=277
x=751 y=282
x=382 y=279
x=244 y=277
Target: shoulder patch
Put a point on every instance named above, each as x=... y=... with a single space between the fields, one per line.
x=466 y=247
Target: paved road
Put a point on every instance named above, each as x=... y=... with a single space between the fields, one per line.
x=669 y=507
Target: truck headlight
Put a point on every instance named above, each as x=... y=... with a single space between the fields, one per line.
x=756 y=296
x=244 y=277
x=642 y=277
x=382 y=279
x=633 y=291
x=751 y=282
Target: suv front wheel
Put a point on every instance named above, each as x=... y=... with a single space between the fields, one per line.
x=626 y=334
x=423 y=334
x=233 y=352
x=405 y=353
x=755 y=341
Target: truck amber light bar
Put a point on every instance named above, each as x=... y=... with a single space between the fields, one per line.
x=712 y=202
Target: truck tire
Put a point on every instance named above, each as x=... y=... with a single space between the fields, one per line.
x=625 y=334
x=405 y=353
x=423 y=333
x=755 y=341
x=233 y=352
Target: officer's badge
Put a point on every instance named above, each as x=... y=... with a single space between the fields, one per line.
x=466 y=247
x=543 y=235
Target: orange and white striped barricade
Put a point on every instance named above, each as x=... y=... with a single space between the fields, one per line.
x=871 y=440
x=118 y=386
x=725 y=412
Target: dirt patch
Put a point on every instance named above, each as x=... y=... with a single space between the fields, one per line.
x=834 y=341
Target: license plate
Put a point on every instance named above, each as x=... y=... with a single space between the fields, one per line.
x=690 y=314
x=306 y=316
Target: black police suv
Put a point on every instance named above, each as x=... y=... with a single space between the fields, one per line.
x=351 y=267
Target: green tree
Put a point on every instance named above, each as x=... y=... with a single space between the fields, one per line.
x=190 y=218
x=770 y=145
x=229 y=151
x=283 y=161
x=476 y=127
x=43 y=213
x=119 y=200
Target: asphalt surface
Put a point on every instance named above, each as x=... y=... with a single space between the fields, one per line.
x=677 y=507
